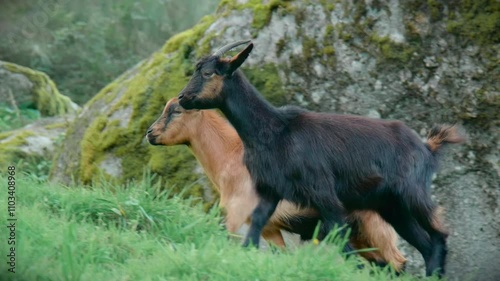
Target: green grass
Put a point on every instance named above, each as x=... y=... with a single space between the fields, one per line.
x=11 y=119
x=139 y=233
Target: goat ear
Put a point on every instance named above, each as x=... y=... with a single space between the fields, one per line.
x=238 y=59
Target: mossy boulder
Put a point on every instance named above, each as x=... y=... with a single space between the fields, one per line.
x=32 y=147
x=30 y=88
x=403 y=60
x=107 y=139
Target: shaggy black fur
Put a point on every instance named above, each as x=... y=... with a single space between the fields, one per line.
x=333 y=163
x=303 y=226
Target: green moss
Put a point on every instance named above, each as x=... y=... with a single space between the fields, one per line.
x=157 y=80
x=262 y=13
x=309 y=47
x=329 y=51
x=280 y=46
x=205 y=47
x=187 y=40
x=266 y=79
x=435 y=8
x=328 y=5
x=46 y=96
x=329 y=32
x=343 y=33
x=56 y=125
x=486 y=107
x=359 y=11
x=391 y=50
x=478 y=20
x=363 y=25
x=90 y=145
x=300 y=16
x=5 y=135
x=17 y=140
x=412 y=31
x=261 y=17
x=10 y=142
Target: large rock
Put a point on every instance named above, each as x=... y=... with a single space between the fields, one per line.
x=32 y=147
x=31 y=88
x=422 y=62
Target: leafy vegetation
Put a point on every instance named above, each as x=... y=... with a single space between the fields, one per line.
x=137 y=232
x=83 y=45
x=11 y=118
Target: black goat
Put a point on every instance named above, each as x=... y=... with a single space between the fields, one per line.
x=333 y=163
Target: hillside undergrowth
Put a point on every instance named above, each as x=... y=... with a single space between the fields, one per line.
x=137 y=232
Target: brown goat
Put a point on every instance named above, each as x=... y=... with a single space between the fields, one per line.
x=218 y=148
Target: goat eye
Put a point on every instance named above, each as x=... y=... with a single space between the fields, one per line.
x=208 y=75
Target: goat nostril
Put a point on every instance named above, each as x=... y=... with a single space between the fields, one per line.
x=150 y=130
x=181 y=96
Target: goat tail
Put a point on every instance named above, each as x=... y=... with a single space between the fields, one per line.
x=444 y=134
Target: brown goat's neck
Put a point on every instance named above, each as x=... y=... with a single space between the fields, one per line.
x=216 y=145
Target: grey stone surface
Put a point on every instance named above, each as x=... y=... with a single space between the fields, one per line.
x=39 y=140
x=440 y=82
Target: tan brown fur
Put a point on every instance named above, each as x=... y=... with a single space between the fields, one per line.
x=443 y=134
x=374 y=231
x=437 y=220
x=218 y=148
x=213 y=87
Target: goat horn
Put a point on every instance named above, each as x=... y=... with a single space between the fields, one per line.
x=228 y=47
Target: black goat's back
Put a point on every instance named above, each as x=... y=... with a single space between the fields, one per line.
x=359 y=155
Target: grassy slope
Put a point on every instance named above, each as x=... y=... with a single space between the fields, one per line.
x=137 y=233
